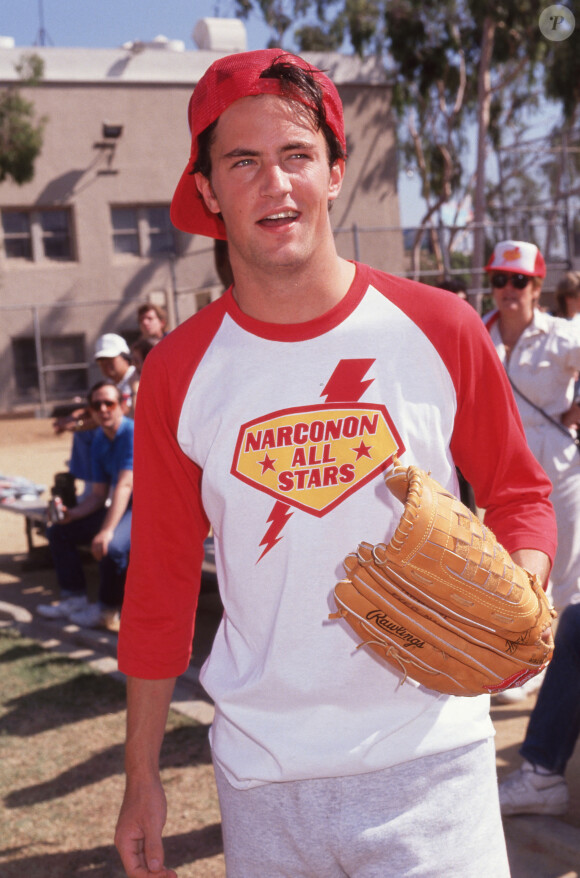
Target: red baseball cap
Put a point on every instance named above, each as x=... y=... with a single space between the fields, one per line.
x=225 y=81
x=517 y=257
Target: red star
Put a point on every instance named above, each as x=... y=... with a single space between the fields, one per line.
x=267 y=464
x=363 y=450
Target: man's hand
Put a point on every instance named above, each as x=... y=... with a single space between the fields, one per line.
x=100 y=544
x=537 y=563
x=571 y=418
x=138 y=834
x=534 y=562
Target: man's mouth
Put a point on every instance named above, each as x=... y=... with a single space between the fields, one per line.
x=280 y=218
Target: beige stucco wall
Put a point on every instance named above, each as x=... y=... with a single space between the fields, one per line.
x=101 y=290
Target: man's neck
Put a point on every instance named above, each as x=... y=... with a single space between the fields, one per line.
x=292 y=295
x=111 y=432
x=511 y=326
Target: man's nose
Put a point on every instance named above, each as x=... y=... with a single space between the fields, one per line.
x=274 y=180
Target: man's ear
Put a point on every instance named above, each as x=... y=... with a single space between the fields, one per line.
x=206 y=191
x=336 y=178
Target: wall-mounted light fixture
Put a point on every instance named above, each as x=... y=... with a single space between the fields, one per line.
x=111 y=131
x=110 y=134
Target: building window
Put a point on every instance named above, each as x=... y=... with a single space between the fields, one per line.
x=17 y=238
x=65 y=370
x=143 y=231
x=37 y=235
x=125 y=230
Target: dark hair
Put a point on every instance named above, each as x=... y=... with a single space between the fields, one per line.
x=106 y=382
x=568 y=288
x=452 y=285
x=143 y=346
x=297 y=84
x=151 y=306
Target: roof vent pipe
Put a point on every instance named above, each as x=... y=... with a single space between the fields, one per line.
x=220 y=35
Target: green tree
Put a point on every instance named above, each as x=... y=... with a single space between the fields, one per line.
x=21 y=135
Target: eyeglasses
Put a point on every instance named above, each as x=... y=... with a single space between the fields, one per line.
x=97 y=405
x=518 y=281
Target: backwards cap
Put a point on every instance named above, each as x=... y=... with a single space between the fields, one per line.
x=225 y=81
x=518 y=257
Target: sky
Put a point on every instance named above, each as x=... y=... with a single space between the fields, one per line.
x=110 y=23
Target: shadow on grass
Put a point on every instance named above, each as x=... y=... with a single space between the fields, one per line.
x=84 y=696
x=104 y=862
x=185 y=746
x=24 y=651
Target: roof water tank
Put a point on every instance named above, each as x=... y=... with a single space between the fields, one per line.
x=220 y=35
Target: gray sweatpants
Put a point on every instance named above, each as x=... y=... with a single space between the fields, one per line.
x=434 y=817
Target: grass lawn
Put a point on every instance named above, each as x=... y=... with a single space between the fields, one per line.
x=61 y=772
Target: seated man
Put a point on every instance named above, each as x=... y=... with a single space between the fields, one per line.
x=107 y=527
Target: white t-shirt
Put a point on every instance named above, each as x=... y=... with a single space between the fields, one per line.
x=277 y=436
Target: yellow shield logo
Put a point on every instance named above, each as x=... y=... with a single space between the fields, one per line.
x=314 y=457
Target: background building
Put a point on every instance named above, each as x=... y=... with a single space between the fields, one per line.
x=89 y=238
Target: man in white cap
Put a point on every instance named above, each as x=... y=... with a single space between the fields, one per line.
x=114 y=359
x=272 y=415
x=541 y=356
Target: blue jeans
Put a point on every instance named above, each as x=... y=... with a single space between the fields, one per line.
x=64 y=540
x=554 y=723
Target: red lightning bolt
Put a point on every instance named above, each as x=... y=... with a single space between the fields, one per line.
x=344 y=385
x=346 y=382
x=278 y=518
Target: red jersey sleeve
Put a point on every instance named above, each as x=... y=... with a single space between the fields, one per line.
x=169 y=524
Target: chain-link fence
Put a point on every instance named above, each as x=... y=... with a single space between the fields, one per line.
x=48 y=348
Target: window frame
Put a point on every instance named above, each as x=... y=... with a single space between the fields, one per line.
x=144 y=232
x=38 y=235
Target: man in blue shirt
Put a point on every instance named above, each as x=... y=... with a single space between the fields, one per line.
x=102 y=520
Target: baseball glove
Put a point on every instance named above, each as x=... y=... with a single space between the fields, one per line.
x=443 y=603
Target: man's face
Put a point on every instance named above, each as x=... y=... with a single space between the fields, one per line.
x=106 y=408
x=150 y=324
x=113 y=368
x=271 y=182
x=511 y=299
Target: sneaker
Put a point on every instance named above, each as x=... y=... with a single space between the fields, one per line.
x=527 y=791
x=63 y=609
x=520 y=693
x=96 y=616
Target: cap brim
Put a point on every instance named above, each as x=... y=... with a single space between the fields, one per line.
x=189 y=212
x=506 y=270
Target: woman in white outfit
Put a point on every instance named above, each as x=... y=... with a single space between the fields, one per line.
x=541 y=355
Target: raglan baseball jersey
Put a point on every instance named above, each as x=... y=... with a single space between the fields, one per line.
x=277 y=437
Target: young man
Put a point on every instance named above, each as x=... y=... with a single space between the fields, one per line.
x=106 y=527
x=271 y=416
x=152 y=321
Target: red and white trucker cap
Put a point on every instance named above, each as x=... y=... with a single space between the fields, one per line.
x=225 y=81
x=518 y=257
